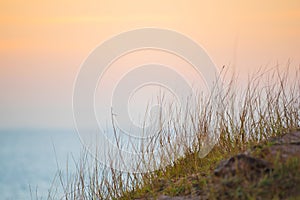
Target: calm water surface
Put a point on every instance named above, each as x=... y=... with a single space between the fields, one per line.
x=31 y=159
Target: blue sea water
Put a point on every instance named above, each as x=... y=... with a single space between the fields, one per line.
x=30 y=160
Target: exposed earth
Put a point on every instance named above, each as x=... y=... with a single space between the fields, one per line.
x=265 y=171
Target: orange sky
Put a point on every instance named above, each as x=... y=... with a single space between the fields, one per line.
x=43 y=43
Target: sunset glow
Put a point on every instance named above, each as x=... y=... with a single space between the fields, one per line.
x=43 y=43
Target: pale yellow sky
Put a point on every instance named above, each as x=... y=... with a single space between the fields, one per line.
x=43 y=43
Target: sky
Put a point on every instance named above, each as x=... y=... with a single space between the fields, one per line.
x=44 y=43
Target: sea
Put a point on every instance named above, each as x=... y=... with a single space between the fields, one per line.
x=31 y=159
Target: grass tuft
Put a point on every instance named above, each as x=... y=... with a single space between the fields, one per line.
x=232 y=120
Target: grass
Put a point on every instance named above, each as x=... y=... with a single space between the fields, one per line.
x=228 y=121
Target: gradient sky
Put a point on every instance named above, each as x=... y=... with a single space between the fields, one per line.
x=43 y=43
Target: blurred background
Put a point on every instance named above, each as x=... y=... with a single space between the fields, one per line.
x=44 y=43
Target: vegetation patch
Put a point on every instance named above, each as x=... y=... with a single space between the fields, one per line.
x=255 y=155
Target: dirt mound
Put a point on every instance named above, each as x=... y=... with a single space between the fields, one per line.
x=264 y=172
x=284 y=147
x=243 y=164
x=259 y=159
